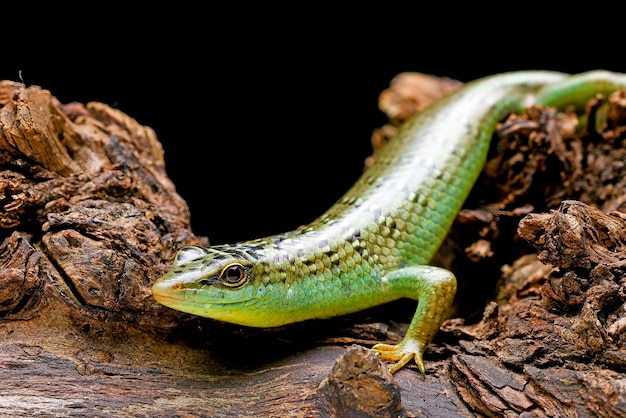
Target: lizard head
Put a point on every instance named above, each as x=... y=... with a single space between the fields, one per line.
x=211 y=282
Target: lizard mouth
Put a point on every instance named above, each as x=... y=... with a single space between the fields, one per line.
x=178 y=295
x=162 y=290
x=173 y=296
x=165 y=295
x=179 y=298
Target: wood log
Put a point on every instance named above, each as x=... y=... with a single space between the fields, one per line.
x=89 y=220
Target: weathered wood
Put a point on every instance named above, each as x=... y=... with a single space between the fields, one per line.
x=89 y=219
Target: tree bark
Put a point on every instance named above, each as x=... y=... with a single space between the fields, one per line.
x=89 y=220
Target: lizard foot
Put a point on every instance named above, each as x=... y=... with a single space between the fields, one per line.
x=401 y=354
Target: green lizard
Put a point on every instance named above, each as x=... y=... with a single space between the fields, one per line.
x=371 y=247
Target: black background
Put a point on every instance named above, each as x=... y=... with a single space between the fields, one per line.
x=265 y=116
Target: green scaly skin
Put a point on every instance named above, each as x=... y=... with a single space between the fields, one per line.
x=372 y=246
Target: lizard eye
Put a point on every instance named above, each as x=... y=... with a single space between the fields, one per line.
x=234 y=275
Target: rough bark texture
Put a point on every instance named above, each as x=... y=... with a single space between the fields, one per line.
x=89 y=219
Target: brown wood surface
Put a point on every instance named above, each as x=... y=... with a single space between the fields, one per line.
x=89 y=219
